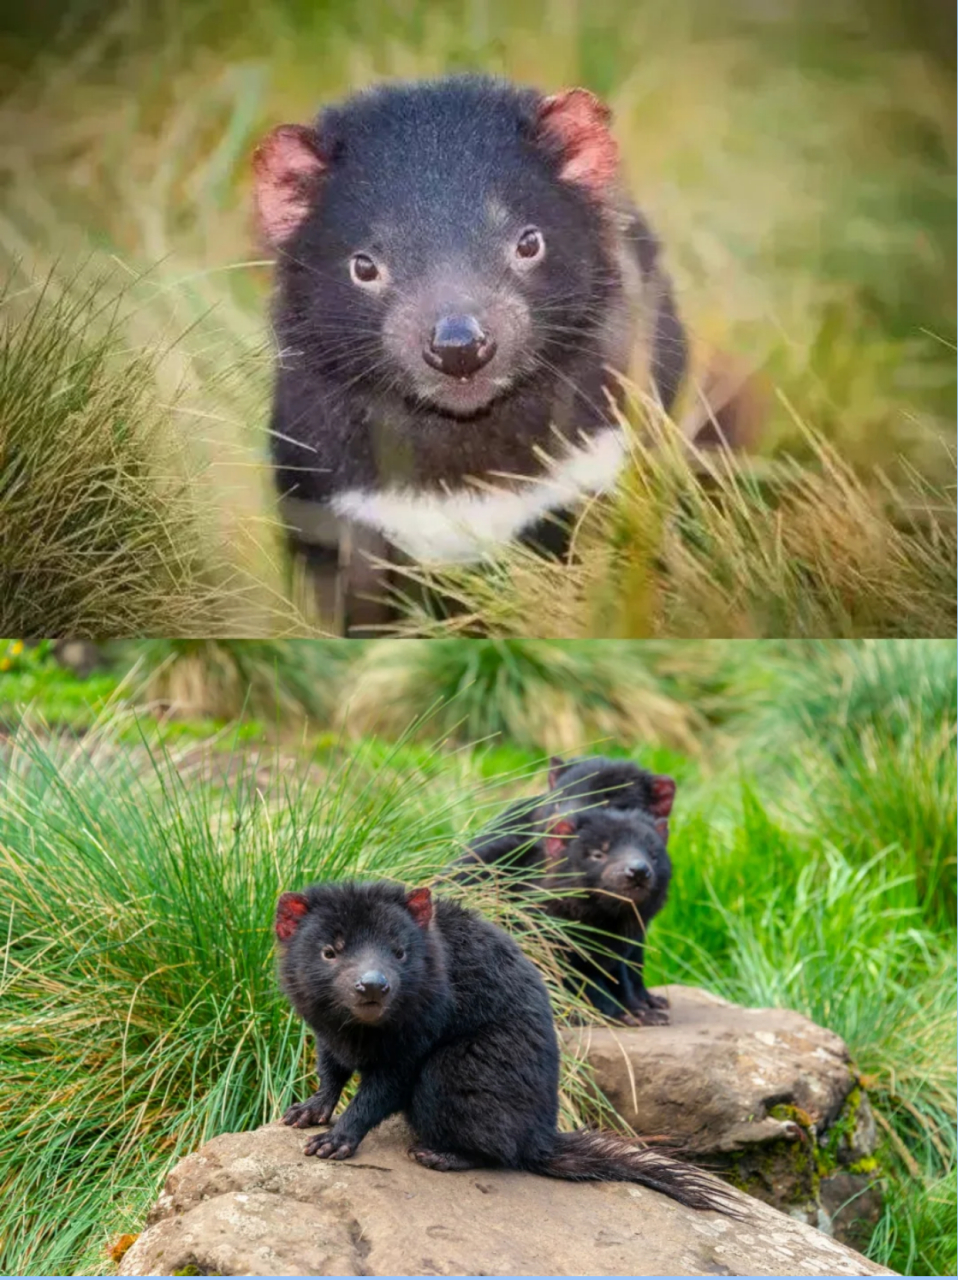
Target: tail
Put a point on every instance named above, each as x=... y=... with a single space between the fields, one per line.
x=604 y=1157
x=729 y=407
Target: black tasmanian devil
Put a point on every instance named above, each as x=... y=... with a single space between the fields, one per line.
x=598 y=839
x=459 y=277
x=446 y=1021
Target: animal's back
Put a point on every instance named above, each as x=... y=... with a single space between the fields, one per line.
x=491 y=1088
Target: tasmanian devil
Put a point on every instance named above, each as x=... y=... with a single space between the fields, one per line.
x=598 y=839
x=446 y=1021
x=459 y=277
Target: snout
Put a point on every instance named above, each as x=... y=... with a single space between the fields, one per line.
x=372 y=985
x=371 y=995
x=638 y=872
x=633 y=876
x=459 y=347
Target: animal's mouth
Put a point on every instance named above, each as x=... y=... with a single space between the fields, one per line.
x=627 y=890
x=369 y=1010
x=465 y=397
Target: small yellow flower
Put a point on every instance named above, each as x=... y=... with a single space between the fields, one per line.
x=16 y=648
x=4 y=664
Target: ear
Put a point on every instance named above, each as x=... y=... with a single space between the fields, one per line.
x=290 y=910
x=663 y=795
x=577 y=122
x=556 y=838
x=419 y=906
x=556 y=765
x=288 y=165
x=662 y=827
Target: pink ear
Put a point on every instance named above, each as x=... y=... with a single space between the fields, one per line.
x=555 y=840
x=290 y=910
x=419 y=906
x=579 y=122
x=288 y=166
x=663 y=794
x=555 y=764
x=662 y=827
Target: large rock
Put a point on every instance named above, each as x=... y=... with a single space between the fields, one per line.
x=764 y=1096
x=253 y=1204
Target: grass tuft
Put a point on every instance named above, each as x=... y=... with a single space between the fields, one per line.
x=100 y=531
x=538 y=696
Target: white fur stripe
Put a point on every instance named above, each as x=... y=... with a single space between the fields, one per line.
x=459 y=526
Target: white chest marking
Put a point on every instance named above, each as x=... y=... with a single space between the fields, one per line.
x=460 y=525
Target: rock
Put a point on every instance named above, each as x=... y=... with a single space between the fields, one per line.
x=763 y=1096
x=253 y=1204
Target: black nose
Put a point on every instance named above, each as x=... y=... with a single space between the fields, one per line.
x=638 y=872
x=372 y=983
x=459 y=347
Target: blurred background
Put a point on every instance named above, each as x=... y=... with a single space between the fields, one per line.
x=797 y=157
x=155 y=796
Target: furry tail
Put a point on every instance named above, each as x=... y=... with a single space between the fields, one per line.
x=604 y=1157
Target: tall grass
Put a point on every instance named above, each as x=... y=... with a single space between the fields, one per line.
x=99 y=526
x=797 y=159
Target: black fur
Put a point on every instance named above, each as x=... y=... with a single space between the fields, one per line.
x=463 y=1042
x=613 y=808
x=413 y=170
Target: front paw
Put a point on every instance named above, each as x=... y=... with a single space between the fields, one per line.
x=645 y=1018
x=331 y=1146
x=643 y=1000
x=315 y=1110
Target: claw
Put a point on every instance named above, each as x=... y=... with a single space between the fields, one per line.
x=328 y=1147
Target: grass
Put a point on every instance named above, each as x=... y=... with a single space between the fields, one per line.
x=224 y=679
x=99 y=528
x=798 y=163
x=533 y=694
x=139 y=1013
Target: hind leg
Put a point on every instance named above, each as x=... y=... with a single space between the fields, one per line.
x=443 y=1161
x=490 y=1100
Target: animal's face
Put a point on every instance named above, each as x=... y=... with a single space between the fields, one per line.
x=442 y=241
x=618 y=855
x=350 y=956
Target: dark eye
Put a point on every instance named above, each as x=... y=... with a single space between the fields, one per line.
x=400 y=953
x=597 y=855
x=362 y=268
x=329 y=953
x=530 y=245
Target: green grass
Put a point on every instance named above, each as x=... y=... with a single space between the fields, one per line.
x=31 y=675
x=139 y=1013
x=798 y=163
